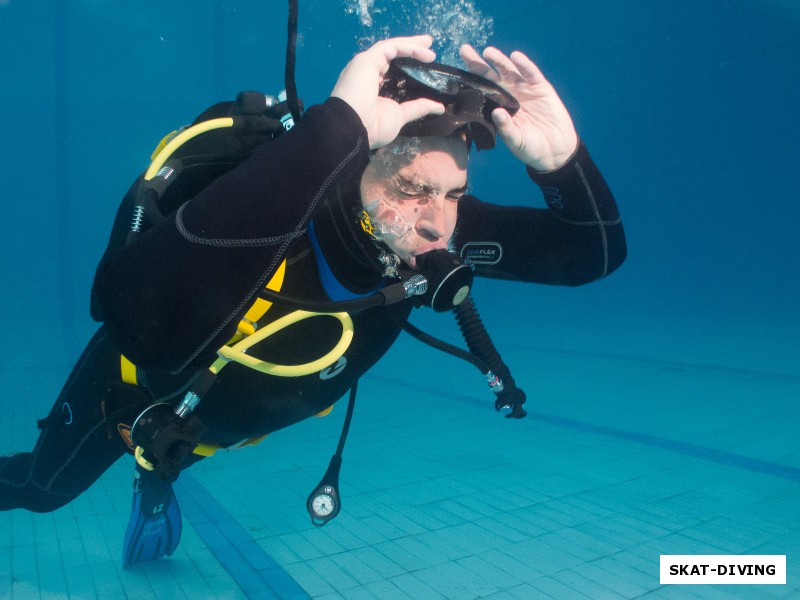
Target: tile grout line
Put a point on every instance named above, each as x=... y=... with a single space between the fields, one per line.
x=245 y=561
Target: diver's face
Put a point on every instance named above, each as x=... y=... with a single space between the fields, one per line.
x=411 y=190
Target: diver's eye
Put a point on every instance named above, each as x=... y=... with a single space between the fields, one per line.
x=408 y=188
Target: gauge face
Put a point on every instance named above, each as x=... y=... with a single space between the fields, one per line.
x=322 y=505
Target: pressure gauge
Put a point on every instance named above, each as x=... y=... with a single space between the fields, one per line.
x=323 y=504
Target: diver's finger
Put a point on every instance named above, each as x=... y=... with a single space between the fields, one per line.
x=424 y=39
x=508 y=131
x=527 y=68
x=502 y=64
x=476 y=64
x=364 y=71
x=417 y=46
x=416 y=109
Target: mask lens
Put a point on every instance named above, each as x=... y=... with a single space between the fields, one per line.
x=443 y=83
x=450 y=81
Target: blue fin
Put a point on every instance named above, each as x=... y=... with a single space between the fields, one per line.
x=154 y=529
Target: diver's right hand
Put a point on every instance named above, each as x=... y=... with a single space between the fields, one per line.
x=360 y=81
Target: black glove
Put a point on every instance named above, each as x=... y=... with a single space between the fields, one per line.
x=166 y=439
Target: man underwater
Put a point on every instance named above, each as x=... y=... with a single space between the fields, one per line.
x=360 y=189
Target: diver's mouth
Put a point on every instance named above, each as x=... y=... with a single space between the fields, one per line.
x=412 y=259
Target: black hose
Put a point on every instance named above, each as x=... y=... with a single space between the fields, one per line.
x=476 y=336
x=291 y=59
x=348 y=417
x=445 y=347
x=480 y=344
x=348 y=306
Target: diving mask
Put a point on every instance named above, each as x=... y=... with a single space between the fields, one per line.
x=469 y=99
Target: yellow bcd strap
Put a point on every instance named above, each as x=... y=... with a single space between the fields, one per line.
x=245 y=327
x=127 y=370
x=260 y=307
x=247 y=336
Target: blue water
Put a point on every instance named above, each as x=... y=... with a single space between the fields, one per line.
x=664 y=399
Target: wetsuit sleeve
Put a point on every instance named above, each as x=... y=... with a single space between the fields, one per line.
x=174 y=295
x=578 y=238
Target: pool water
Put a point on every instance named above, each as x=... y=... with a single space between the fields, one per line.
x=664 y=401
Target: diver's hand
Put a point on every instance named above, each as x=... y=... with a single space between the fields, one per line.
x=360 y=81
x=541 y=134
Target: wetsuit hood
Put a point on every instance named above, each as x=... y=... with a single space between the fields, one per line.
x=351 y=254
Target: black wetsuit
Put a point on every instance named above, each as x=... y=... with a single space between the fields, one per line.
x=175 y=294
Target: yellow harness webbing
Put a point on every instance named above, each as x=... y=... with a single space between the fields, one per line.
x=127 y=370
x=260 y=307
x=245 y=327
x=238 y=344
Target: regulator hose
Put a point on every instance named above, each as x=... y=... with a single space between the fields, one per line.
x=480 y=344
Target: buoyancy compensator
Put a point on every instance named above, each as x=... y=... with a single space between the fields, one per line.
x=190 y=159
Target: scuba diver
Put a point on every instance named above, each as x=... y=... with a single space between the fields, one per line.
x=206 y=342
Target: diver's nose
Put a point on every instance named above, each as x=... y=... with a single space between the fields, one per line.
x=431 y=224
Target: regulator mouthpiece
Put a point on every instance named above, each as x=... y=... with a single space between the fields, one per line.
x=449 y=280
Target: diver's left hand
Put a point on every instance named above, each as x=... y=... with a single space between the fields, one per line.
x=541 y=133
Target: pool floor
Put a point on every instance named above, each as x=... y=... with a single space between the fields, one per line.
x=625 y=455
